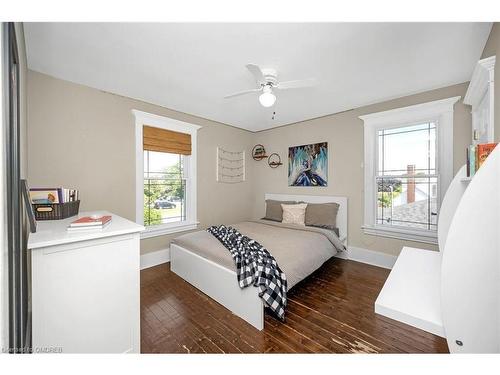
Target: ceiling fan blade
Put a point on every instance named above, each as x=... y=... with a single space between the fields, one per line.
x=257 y=73
x=242 y=93
x=297 y=84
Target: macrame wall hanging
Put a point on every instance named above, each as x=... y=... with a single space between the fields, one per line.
x=230 y=166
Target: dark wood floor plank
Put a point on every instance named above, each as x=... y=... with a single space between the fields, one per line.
x=360 y=311
x=332 y=311
x=297 y=340
x=345 y=340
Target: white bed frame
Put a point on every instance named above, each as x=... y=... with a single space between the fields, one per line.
x=221 y=283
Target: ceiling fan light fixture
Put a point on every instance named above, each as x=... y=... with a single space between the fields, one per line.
x=267 y=98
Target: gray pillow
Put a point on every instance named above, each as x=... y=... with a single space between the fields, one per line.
x=274 y=211
x=323 y=215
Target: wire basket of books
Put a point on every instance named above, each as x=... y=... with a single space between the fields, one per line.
x=55 y=211
x=54 y=204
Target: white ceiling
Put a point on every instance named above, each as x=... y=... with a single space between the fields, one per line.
x=190 y=67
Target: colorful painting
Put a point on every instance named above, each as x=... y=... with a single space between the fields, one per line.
x=308 y=165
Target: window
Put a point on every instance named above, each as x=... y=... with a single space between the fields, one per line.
x=408 y=167
x=164 y=188
x=166 y=174
x=406 y=177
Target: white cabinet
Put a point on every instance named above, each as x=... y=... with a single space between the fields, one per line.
x=85 y=288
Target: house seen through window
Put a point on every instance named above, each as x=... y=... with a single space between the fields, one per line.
x=406 y=177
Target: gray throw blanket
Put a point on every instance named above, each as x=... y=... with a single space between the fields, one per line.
x=255 y=266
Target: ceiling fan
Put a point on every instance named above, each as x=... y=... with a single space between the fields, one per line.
x=267 y=82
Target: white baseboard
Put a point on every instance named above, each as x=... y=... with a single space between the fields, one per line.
x=374 y=258
x=155 y=258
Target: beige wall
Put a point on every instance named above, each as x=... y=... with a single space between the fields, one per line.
x=491 y=48
x=84 y=138
x=344 y=134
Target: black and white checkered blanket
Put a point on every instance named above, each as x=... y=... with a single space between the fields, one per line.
x=255 y=266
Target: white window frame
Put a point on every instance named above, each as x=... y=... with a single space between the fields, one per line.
x=149 y=119
x=441 y=113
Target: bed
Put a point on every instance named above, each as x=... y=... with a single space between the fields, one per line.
x=200 y=259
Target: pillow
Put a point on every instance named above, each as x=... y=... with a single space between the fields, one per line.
x=274 y=211
x=323 y=215
x=294 y=213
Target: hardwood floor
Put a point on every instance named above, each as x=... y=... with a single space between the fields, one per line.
x=332 y=311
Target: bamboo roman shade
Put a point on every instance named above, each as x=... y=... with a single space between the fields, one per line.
x=156 y=139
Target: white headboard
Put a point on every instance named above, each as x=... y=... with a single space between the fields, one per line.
x=341 y=215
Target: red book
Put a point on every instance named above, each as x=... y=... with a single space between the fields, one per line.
x=483 y=150
x=91 y=221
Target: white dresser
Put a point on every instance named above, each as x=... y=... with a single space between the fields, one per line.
x=85 y=287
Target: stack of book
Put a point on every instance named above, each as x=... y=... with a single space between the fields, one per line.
x=94 y=222
x=476 y=155
x=53 y=195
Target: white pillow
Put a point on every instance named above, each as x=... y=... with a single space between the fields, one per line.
x=294 y=213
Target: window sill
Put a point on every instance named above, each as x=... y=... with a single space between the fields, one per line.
x=161 y=230
x=402 y=234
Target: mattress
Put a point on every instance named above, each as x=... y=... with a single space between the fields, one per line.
x=299 y=250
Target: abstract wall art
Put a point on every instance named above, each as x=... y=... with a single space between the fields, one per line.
x=308 y=165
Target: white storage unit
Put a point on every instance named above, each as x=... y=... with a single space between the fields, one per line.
x=85 y=287
x=470 y=271
x=455 y=293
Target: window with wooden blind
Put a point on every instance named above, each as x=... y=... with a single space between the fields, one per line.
x=166 y=174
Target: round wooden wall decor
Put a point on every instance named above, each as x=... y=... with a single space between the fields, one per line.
x=258 y=152
x=274 y=160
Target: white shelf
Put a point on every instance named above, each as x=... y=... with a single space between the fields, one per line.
x=411 y=293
